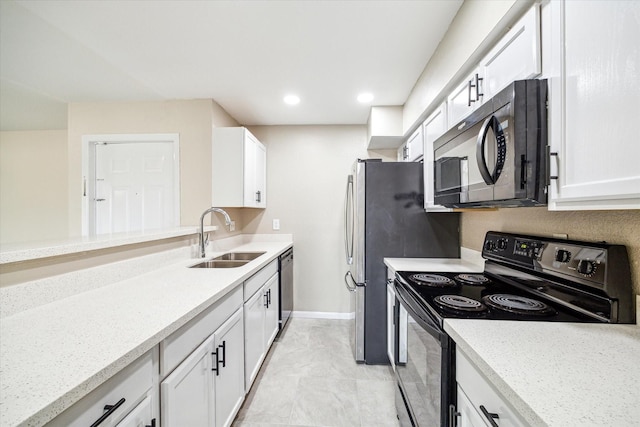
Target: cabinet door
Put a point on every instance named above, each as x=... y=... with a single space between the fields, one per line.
x=467 y=414
x=140 y=416
x=186 y=396
x=433 y=127
x=229 y=375
x=272 y=312
x=516 y=57
x=594 y=105
x=250 y=153
x=391 y=325
x=261 y=175
x=415 y=143
x=254 y=349
x=465 y=98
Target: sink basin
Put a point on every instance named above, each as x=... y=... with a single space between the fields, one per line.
x=230 y=260
x=239 y=256
x=218 y=263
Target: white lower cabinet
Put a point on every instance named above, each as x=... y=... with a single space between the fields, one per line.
x=141 y=416
x=260 y=326
x=207 y=388
x=127 y=399
x=228 y=380
x=391 y=309
x=479 y=403
x=186 y=396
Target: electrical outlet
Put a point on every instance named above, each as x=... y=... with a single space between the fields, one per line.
x=232 y=226
x=276 y=224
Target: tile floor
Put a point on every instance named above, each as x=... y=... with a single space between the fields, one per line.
x=309 y=378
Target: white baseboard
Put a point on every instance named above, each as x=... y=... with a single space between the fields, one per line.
x=322 y=315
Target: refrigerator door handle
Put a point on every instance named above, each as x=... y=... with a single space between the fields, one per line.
x=349 y=221
x=351 y=283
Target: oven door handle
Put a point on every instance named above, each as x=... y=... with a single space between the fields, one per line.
x=428 y=324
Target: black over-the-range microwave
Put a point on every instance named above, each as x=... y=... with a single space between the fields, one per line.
x=497 y=156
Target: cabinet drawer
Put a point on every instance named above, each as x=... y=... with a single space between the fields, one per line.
x=480 y=392
x=129 y=386
x=181 y=343
x=256 y=281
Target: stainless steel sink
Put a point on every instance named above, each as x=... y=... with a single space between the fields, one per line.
x=229 y=260
x=218 y=263
x=239 y=256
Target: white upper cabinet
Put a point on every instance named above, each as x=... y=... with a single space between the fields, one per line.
x=594 y=104
x=516 y=56
x=465 y=98
x=239 y=167
x=433 y=127
x=413 y=149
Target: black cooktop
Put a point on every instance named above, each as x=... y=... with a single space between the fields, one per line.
x=479 y=296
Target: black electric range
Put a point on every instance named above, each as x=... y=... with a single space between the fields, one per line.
x=531 y=278
x=525 y=278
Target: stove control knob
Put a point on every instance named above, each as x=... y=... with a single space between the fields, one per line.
x=489 y=245
x=586 y=267
x=502 y=244
x=563 y=255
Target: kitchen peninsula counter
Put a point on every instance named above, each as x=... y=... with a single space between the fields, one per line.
x=558 y=374
x=51 y=355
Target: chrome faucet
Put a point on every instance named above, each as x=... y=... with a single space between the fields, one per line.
x=227 y=221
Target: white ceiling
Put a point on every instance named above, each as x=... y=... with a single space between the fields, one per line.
x=246 y=55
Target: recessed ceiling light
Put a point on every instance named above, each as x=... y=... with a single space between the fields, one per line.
x=365 y=97
x=291 y=99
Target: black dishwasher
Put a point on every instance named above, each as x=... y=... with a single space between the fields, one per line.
x=286 y=287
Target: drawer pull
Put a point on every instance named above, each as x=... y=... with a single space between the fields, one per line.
x=153 y=423
x=110 y=409
x=490 y=416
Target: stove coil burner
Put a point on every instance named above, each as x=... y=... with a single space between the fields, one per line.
x=473 y=279
x=518 y=305
x=432 y=280
x=460 y=303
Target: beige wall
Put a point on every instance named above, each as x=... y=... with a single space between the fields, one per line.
x=33 y=185
x=192 y=119
x=307 y=168
x=616 y=227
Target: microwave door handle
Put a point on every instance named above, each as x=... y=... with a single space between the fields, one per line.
x=482 y=139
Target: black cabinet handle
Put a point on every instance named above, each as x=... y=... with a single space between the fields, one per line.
x=268 y=298
x=490 y=416
x=223 y=346
x=153 y=423
x=258 y=196
x=110 y=409
x=215 y=362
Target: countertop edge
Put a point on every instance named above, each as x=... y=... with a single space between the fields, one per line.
x=28 y=252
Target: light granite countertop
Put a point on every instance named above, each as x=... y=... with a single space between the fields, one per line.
x=54 y=354
x=558 y=374
x=470 y=261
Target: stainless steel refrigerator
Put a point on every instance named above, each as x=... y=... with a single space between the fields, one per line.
x=385 y=218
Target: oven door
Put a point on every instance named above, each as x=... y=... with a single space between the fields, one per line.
x=425 y=391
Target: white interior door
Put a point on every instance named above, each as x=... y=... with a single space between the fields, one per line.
x=134 y=186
